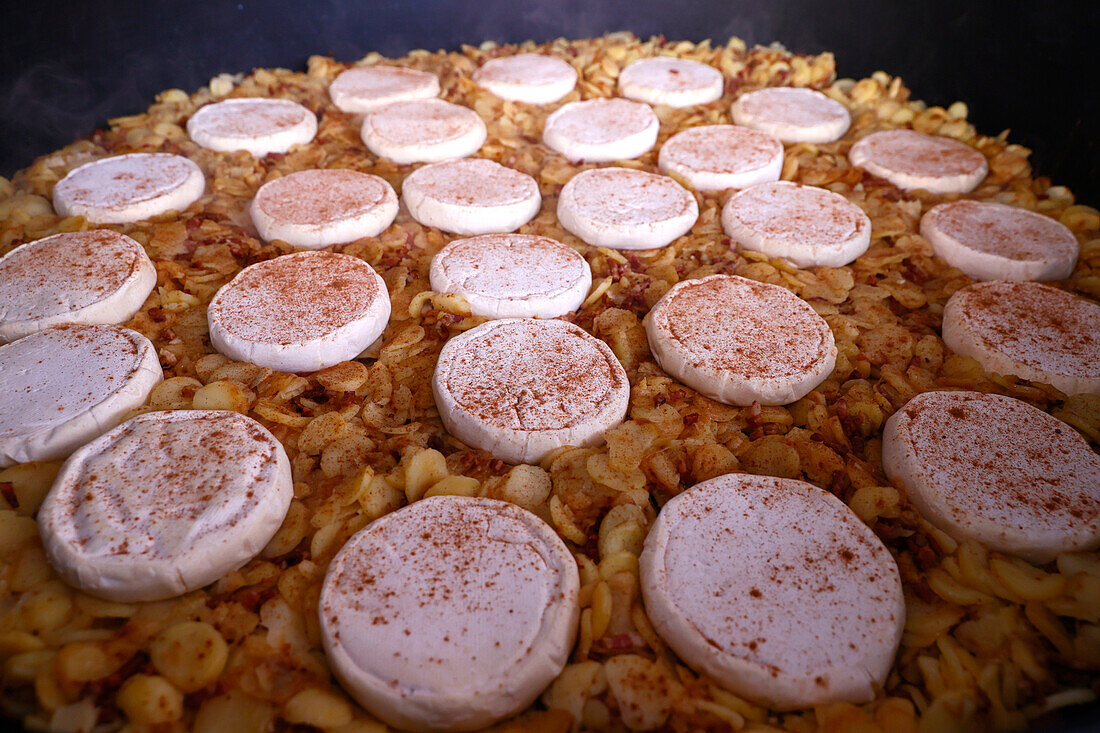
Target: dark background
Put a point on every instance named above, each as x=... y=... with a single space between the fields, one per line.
x=66 y=67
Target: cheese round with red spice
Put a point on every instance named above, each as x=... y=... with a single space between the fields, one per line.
x=513 y=275
x=520 y=387
x=997 y=470
x=423 y=131
x=990 y=241
x=128 y=188
x=716 y=157
x=99 y=276
x=64 y=386
x=1028 y=330
x=257 y=125
x=533 y=78
x=792 y=114
x=739 y=341
x=165 y=503
x=807 y=225
x=366 y=88
x=300 y=312
x=623 y=208
x=471 y=196
x=775 y=589
x=601 y=130
x=910 y=160
x=318 y=208
x=450 y=614
x=671 y=81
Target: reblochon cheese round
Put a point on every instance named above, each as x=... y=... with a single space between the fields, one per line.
x=300 y=312
x=533 y=78
x=1027 y=330
x=64 y=386
x=257 y=125
x=365 y=88
x=521 y=387
x=806 y=225
x=128 y=188
x=513 y=275
x=623 y=208
x=672 y=82
x=739 y=341
x=98 y=276
x=450 y=614
x=990 y=241
x=471 y=196
x=717 y=157
x=792 y=114
x=995 y=469
x=317 y=208
x=601 y=130
x=910 y=160
x=423 y=131
x=165 y=503
x=774 y=589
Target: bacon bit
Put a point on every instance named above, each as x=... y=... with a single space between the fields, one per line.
x=886 y=532
x=444 y=321
x=7 y=490
x=635 y=263
x=592 y=537
x=195 y=700
x=166 y=334
x=890 y=192
x=849 y=422
x=914 y=273
x=676 y=395
x=104 y=690
x=156 y=315
x=344 y=400
x=316 y=393
x=619 y=642
x=925 y=557
x=839 y=483
x=193 y=223
x=691 y=419
x=922 y=590
x=831 y=444
x=755 y=421
x=436 y=443
x=251 y=599
x=294 y=557
x=391 y=258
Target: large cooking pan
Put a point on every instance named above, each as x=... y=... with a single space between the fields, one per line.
x=66 y=69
